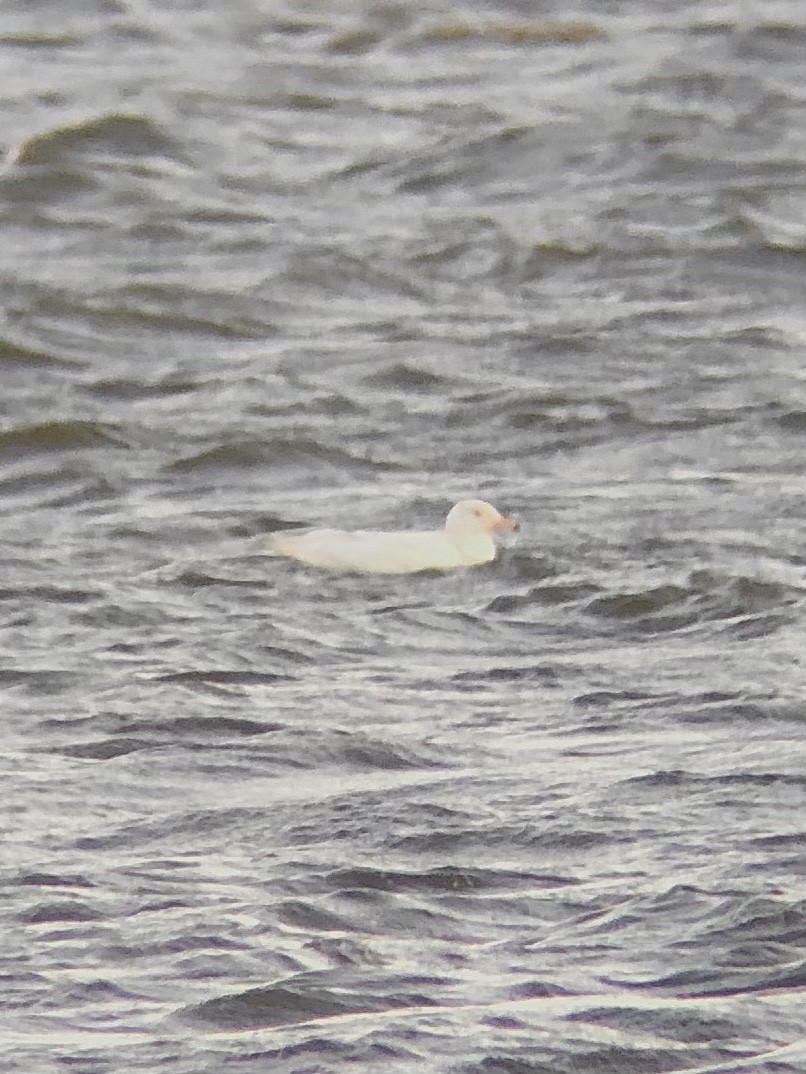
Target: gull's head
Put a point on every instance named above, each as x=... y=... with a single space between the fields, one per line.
x=470 y=517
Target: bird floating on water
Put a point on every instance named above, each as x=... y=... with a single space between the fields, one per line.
x=466 y=540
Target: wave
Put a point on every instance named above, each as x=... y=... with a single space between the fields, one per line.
x=59 y=436
x=279 y=452
x=116 y=133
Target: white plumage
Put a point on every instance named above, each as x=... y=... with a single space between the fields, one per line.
x=465 y=541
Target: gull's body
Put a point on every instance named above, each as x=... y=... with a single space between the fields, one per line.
x=465 y=541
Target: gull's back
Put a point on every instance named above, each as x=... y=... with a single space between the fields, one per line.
x=384 y=553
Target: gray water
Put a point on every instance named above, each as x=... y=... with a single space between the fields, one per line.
x=277 y=264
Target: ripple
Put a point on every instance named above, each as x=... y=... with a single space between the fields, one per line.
x=105 y=750
x=279 y=453
x=198 y=728
x=59 y=436
x=442 y=880
x=638 y=604
x=126 y=135
x=53 y=912
x=126 y=390
x=50 y=594
x=534 y=673
x=295 y=1001
x=747 y=606
x=14 y=355
x=51 y=185
x=52 y=880
x=225 y=678
x=401 y=376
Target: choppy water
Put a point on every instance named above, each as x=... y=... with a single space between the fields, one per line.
x=271 y=264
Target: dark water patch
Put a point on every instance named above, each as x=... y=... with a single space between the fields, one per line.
x=606 y=698
x=305 y=102
x=224 y=678
x=756 y=626
x=88 y=491
x=124 y=135
x=130 y=390
x=544 y=595
x=286 y=454
x=58 y=436
x=105 y=750
x=401 y=821
x=770 y=921
x=771 y=42
x=542 y=674
x=758 y=335
x=442 y=880
x=723 y=981
x=225 y=214
x=53 y=912
x=506 y=32
x=525 y=566
x=158 y=231
x=50 y=594
x=742 y=595
x=407 y=378
x=511 y=837
x=477 y=250
x=638 y=604
x=368 y=753
x=749 y=606
x=194 y=826
x=536 y=990
x=690 y=421
x=39 y=40
x=295 y=1002
x=312 y=919
x=334 y=274
x=643 y=1059
x=196 y=941
x=504 y=1021
x=27 y=187
x=208 y=316
x=14 y=355
x=685 y=1026
x=562 y=593
x=53 y=880
x=43 y=681
x=307 y=748
x=793 y=421
x=792 y=840
x=355 y=41
x=261 y=523
x=451 y=163
x=291 y=656
x=696 y=88
x=204 y=727
x=732 y=709
x=672 y=779
x=729 y=791
x=331 y=404
x=322 y=1053
x=43 y=485
x=758 y=779
x=564 y=414
x=198 y=580
x=96 y=992
x=659 y=609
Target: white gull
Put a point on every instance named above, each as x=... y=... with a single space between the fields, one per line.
x=465 y=541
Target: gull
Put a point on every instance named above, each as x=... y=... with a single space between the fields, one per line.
x=466 y=540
